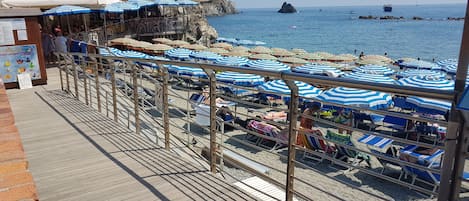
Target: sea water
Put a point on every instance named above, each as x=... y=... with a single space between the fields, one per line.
x=338 y=30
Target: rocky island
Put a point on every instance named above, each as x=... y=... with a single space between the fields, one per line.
x=287 y=8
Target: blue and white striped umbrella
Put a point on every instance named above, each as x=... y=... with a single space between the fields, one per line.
x=232 y=61
x=370 y=78
x=67 y=10
x=127 y=5
x=427 y=82
x=278 y=87
x=132 y=54
x=419 y=64
x=268 y=65
x=240 y=79
x=109 y=52
x=112 y=8
x=178 y=53
x=186 y=71
x=153 y=65
x=415 y=72
x=317 y=69
x=429 y=106
x=374 y=69
x=357 y=98
x=205 y=55
x=448 y=65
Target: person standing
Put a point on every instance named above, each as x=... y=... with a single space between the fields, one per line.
x=61 y=43
x=47 y=45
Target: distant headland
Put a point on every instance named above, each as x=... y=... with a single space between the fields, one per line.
x=287 y=8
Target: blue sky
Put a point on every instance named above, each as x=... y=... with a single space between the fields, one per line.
x=315 y=3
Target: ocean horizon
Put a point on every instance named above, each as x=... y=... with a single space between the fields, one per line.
x=337 y=29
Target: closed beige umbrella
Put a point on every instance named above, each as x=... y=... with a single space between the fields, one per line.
x=238 y=54
x=161 y=40
x=225 y=46
x=293 y=61
x=240 y=48
x=194 y=47
x=298 y=51
x=310 y=57
x=263 y=57
x=218 y=50
x=177 y=43
x=260 y=50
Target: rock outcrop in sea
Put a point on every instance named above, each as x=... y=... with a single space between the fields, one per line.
x=287 y=8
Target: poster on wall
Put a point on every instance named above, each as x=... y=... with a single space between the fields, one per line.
x=19 y=59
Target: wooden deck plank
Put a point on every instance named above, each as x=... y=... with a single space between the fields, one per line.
x=76 y=153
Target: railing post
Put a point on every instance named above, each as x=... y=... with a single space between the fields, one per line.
x=114 y=93
x=292 y=131
x=107 y=104
x=96 y=78
x=75 y=79
x=85 y=86
x=165 y=105
x=67 y=70
x=60 y=71
x=213 y=119
x=135 y=92
x=456 y=138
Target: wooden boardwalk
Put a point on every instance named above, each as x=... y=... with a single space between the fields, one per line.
x=76 y=153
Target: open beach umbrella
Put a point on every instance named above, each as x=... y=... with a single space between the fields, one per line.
x=186 y=71
x=279 y=87
x=415 y=72
x=195 y=47
x=338 y=58
x=374 y=69
x=204 y=55
x=177 y=43
x=159 y=48
x=122 y=41
x=218 y=50
x=298 y=51
x=263 y=57
x=68 y=10
x=240 y=48
x=178 y=53
x=110 y=51
x=232 y=61
x=268 y=65
x=279 y=52
x=226 y=46
x=240 y=79
x=162 y=40
x=448 y=65
x=428 y=106
x=419 y=64
x=293 y=61
x=238 y=54
x=374 y=57
x=317 y=69
x=260 y=50
x=357 y=98
x=324 y=55
x=427 y=82
x=310 y=56
x=376 y=78
x=132 y=54
x=362 y=62
x=349 y=56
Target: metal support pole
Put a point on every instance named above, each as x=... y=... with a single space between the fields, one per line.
x=60 y=74
x=213 y=119
x=85 y=86
x=136 y=105
x=456 y=139
x=165 y=104
x=66 y=73
x=96 y=78
x=75 y=80
x=107 y=104
x=292 y=131
x=114 y=93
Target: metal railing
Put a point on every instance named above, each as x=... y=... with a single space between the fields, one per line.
x=161 y=108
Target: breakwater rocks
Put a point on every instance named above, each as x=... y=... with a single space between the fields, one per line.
x=388 y=17
x=287 y=8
